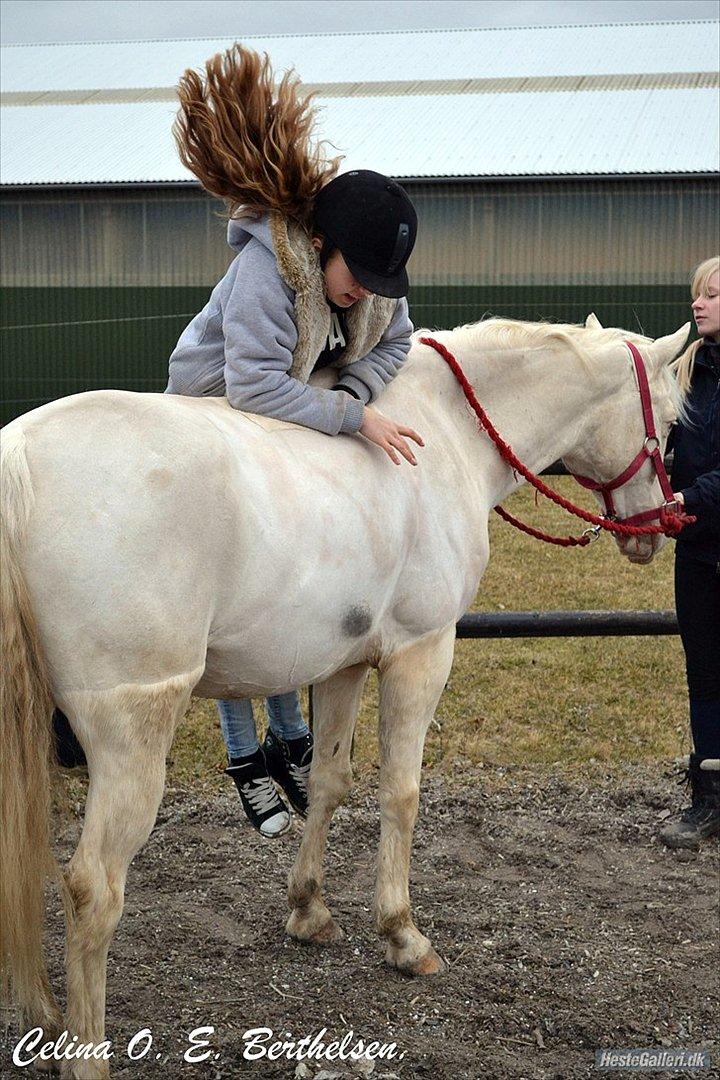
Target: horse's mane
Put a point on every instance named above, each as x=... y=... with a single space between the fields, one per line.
x=584 y=341
x=588 y=343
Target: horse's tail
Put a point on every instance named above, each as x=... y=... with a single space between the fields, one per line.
x=26 y=750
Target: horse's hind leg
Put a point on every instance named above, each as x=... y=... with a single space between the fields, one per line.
x=336 y=702
x=128 y=734
x=411 y=683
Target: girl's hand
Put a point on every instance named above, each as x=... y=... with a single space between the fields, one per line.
x=389 y=435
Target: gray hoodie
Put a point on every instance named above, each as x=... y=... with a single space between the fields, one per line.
x=242 y=344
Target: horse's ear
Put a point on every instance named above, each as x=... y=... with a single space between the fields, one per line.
x=592 y=322
x=665 y=349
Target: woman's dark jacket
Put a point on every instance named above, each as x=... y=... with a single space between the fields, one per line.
x=696 y=465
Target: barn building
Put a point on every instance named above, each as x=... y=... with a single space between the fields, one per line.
x=556 y=170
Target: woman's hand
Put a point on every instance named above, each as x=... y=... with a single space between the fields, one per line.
x=389 y=435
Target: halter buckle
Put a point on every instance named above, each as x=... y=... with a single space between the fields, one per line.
x=647 y=441
x=593 y=532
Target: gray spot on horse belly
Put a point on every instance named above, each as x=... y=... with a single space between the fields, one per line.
x=356 y=622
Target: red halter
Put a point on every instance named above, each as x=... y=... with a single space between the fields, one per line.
x=650 y=449
x=672 y=518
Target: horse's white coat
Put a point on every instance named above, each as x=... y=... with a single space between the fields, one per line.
x=167 y=529
x=173 y=543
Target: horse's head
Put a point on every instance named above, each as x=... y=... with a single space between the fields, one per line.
x=617 y=455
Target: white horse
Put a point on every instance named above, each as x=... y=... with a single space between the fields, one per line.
x=158 y=546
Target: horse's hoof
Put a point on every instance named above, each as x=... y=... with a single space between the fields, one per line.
x=428 y=964
x=326 y=934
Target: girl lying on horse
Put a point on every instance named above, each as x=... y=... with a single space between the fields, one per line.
x=318 y=280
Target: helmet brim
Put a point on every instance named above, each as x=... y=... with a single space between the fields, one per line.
x=393 y=286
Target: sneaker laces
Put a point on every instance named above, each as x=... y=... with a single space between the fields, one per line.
x=261 y=795
x=301 y=775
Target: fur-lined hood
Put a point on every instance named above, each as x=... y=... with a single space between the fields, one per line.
x=299 y=266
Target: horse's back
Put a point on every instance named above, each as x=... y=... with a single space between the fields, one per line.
x=103 y=417
x=144 y=450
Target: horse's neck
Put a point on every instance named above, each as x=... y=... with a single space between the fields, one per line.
x=538 y=402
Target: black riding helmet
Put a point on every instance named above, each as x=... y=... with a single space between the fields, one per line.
x=371 y=220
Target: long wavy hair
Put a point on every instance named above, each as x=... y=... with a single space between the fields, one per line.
x=249 y=142
x=685 y=363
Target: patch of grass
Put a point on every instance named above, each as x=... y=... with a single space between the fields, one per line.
x=534 y=700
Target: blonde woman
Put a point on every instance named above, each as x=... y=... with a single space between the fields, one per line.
x=696 y=483
x=318 y=280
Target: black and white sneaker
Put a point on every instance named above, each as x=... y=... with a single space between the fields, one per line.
x=288 y=762
x=265 y=809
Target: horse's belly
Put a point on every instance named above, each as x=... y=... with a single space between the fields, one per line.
x=289 y=655
x=244 y=672
x=330 y=622
x=295 y=635
x=341 y=589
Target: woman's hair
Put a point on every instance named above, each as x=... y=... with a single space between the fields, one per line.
x=683 y=366
x=248 y=142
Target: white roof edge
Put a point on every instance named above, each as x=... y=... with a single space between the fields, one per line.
x=366 y=33
x=430 y=178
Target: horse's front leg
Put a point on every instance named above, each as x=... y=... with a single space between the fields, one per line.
x=411 y=683
x=336 y=702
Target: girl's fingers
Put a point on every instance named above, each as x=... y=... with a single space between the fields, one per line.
x=392 y=442
x=411 y=435
x=390 y=451
x=405 y=450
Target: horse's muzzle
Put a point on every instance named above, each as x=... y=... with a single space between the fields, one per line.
x=640 y=549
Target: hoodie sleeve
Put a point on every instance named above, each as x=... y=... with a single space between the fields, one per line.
x=260 y=335
x=367 y=378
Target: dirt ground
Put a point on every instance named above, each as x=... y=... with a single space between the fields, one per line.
x=565 y=926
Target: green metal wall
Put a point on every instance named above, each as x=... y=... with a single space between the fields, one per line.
x=98 y=284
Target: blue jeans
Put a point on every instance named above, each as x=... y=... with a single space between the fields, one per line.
x=238 y=723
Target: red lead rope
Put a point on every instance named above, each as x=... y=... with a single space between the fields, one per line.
x=670 y=522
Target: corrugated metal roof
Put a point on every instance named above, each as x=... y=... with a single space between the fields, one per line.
x=487 y=53
x=650 y=131
x=580 y=132
x=510 y=119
